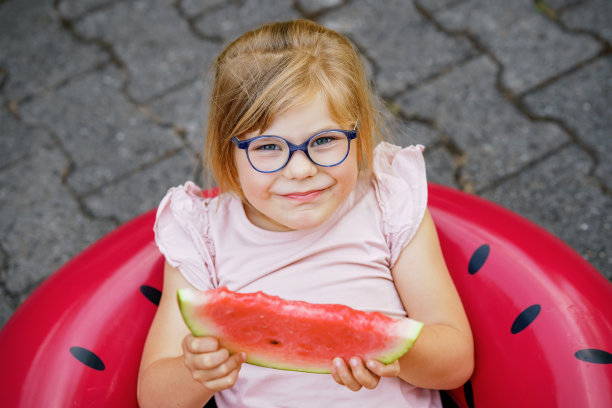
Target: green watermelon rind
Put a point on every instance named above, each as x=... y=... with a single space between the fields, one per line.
x=407 y=329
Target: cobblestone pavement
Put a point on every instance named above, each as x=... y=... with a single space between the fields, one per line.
x=101 y=109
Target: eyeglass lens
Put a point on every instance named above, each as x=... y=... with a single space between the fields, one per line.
x=271 y=153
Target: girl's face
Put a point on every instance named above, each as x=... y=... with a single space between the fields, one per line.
x=301 y=195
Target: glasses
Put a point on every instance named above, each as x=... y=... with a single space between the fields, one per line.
x=268 y=153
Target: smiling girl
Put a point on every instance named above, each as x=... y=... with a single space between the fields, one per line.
x=310 y=209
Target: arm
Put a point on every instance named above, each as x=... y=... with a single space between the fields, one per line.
x=178 y=369
x=443 y=355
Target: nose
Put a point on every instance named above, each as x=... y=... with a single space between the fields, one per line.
x=299 y=166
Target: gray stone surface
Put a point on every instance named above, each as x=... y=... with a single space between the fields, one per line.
x=155 y=44
x=17 y=140
x=36 y=52
x=530 y=46
x=231 y=21
x=186 y=110
x=318 y=6
x=497 y=139
x=150 y=184
x=194 y=8
x=74 y=9
x=47 y=227
x=594 y=16
x=441 y=166
x=583 y=101
x=402 y=44
x=104 y=134
x=559 y=195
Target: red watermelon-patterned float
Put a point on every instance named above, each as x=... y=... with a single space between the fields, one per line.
x=540 y=314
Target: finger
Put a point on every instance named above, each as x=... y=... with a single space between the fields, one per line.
x=345 y=375
x=208 y=361
x=225 y=382
x=384 y=370
x=200 y=344
x=230 y=364
x=362 y=375
x=226 y=375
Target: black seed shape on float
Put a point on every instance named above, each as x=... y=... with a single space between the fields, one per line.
x=88 y=358
x=468 y=393
x=594 y=356
x=151 y=293
x=525 y=318
x=478 y=258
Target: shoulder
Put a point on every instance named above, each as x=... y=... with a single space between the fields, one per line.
x=400 y=185
x=181 y=231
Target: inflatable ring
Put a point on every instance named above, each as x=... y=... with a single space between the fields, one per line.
x=540 y=314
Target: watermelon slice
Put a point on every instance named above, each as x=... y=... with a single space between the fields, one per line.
x=294 y=335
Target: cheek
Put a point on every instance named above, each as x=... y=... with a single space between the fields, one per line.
x=254 y=185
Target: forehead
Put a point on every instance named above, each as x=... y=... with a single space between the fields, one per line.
x=303 y=118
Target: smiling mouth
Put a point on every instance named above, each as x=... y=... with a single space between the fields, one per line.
x=305 y=196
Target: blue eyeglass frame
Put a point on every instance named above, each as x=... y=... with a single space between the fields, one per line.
x=244 y=145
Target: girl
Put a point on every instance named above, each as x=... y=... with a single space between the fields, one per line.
x=308 y=210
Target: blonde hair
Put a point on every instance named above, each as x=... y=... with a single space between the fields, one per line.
x=271 y=69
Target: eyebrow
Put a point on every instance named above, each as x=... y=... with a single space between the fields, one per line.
x=321 y=129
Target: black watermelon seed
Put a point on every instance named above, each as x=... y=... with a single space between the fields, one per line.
x=469 y=394
x=151 y=293
x=594 y=356
x=478 y=258
x=87 y=357
x=525 y=318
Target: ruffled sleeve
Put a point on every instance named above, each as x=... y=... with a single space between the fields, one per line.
x=401 y=191
x=181 y=234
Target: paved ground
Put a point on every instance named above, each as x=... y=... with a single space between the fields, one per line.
x=101 y=105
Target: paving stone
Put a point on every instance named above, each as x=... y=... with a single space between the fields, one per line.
x=17 y=140
x=36 y=51
x=236 y=18
x=105 y=135
x=559 y=195
x=531 y=47
x=559 y=4
x=154 y=42
x=6 y=310
x=187 y=109
x=45 y=227
x=76 y=8
x=318 y=6
x=149 y=185
x=440 y=166
x=595 y=15
x=195 y=7
x=405 y=47
x=496 y=138
x=582 y=100
x=435 y=5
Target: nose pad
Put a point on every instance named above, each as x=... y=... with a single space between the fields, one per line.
x=300 y=166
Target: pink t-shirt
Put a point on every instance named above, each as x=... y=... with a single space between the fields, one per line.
x=345 y=260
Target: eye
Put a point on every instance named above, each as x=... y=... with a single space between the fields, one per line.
x=267 y=144
x=328 y=139
x=268 y=147
x=322 y=140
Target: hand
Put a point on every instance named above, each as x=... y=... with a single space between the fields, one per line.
x=210 y=364
x=358 y=374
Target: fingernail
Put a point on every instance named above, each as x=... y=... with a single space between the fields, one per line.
x=354 y=362
x=338 y=362
x=244 y=356
x=371 y=364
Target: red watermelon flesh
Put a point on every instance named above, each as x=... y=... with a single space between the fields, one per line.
x=294 y=335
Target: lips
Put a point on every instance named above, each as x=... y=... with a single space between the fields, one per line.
x=304 y=196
